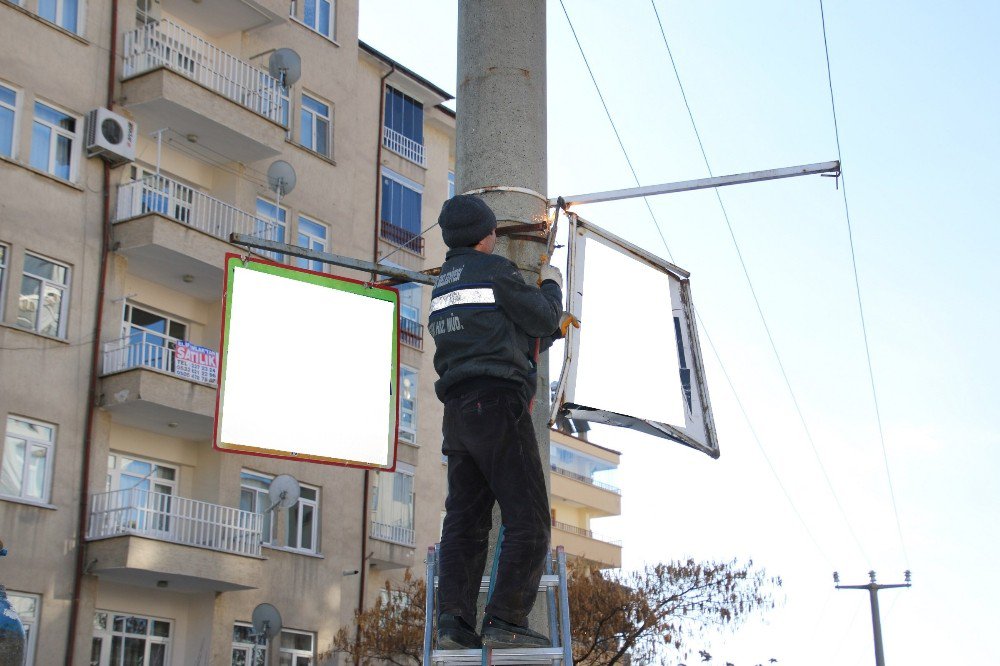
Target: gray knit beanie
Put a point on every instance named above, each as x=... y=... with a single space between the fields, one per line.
x=465 y=220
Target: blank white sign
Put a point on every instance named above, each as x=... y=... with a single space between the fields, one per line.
x=308 y=370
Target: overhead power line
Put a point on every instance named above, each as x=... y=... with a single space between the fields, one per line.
x=857 y=288
x=704 y=328
x=753 y=291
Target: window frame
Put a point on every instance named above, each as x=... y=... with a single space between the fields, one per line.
x=59 y=19
x=331 y=23
x=247 y=647
x=406 y=183
x=28 y=443
x=64 y=301
x=315 y=117
x=317 y=266
x=410 y=431
x=269 y=527
x=30 y=623
x=281 y=223
x=75 y=139
x=108 y=633
x=400 y=125
x=4 y=272
x=296 y=510
x=386 y=483
x=15 y=110
x=295 y=652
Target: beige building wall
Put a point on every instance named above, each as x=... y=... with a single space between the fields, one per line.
x=218 y=148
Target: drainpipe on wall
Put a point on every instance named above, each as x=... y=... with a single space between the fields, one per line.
x=88 y=434
x=378 y=202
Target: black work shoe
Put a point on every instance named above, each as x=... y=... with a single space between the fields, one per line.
x=454 y=633
x=500 y=634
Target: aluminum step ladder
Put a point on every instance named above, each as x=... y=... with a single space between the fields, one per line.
x=556 y=596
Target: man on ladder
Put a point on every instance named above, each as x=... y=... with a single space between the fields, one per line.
x=488 y=327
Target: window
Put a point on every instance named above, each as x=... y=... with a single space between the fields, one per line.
x=129 y=640
x=451 y=184
x=410 y=297
x=271 y=224
x=152 y=338
x=146 y=12
x=314 y=130
x=253 y=497
x=404 y=115
x=42 y=303
x=407 y=404
x=401 y=203
x=393 y=505
x=26 y=470
x=8 y=111
x=297 y=648
x=64 y=13
x=583 y=467
x=244 y=646
x=302 y=522
x=312 y=235
x=319 y=15
x=146 y=492
x=27 y=607
x=53 y=136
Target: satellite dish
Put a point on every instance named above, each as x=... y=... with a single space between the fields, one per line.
x=285 y=65
x=281 y=177
x=266 y=620
x=284 y=491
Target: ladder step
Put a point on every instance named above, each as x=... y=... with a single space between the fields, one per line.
x=547 y=581
x=550 y=655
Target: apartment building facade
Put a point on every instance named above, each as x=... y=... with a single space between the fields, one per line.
x=131 y=539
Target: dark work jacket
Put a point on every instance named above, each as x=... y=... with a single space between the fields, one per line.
x=485 y=320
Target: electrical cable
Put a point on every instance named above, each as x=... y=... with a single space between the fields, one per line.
x=857 y=287
x=621 y=144
x=753 y=291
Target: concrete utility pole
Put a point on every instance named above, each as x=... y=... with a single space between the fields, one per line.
x=873 y=589
x=501 y=143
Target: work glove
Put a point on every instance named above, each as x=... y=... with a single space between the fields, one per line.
x=550 y=272
x=566 y=320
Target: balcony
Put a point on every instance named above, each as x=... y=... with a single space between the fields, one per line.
x=150 y=386
x=601 y=499
x=583 y=543
x=174 y=79
x=411 y=333
x=403 y=146
x=402 y=237
x=392 y=546
x=145 y=538
x=161 y=227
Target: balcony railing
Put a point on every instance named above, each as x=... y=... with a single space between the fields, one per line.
x=166 y=197
x=585 y=533
x=403 y=145
x=142 y=349
x=165 y=44
x=585 y=479
x=402 y=237
x=411 y=333
x=404 y=536
x=176 y=519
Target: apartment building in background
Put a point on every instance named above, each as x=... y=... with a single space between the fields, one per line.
x=131 y=540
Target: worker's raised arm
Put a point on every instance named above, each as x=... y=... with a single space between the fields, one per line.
x=536 y=310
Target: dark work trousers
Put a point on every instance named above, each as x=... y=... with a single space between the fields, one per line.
x=492 y=456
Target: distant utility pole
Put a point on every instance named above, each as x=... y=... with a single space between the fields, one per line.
x=873 y=589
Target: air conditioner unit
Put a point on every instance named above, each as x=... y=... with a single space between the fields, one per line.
x=111 y=136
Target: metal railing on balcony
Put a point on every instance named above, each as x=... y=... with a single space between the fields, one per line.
x=403 y=145
x=402 y=237
x=138 y=512
x=404 y=536
x=573 y=529
x=585 y=479
x=165 y=44
x=167 y=197
x=142 y=349
x=411 y=333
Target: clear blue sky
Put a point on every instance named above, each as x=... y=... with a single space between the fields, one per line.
x=918 y=102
